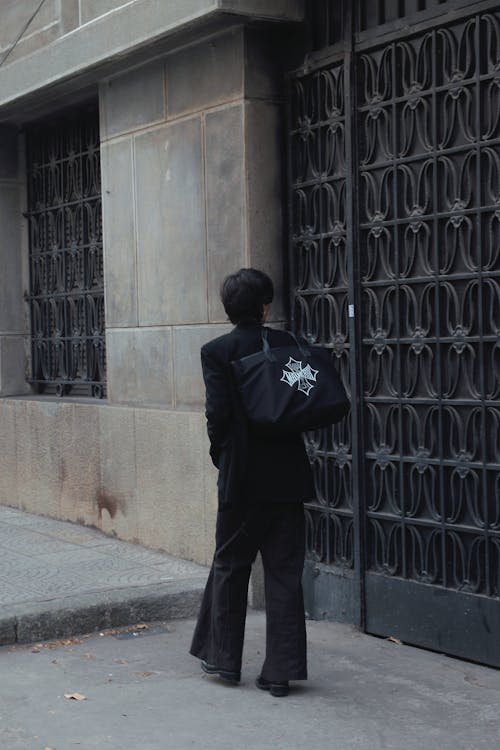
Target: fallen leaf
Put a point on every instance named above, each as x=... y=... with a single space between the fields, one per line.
x=144 y=674
x=50 y=645
x=141 y=627
x=75 y=697
x=392 y=639
x=121 y=661
x=48 y=748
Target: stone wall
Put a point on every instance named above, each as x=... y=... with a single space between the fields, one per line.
x=70 y=45
x=140 y=474
x=13 y=262
x=59 y=18
x=192 y=189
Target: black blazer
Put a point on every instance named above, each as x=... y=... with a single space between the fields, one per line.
x=253 y=468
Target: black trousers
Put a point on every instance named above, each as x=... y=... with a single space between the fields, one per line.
x=277 y=531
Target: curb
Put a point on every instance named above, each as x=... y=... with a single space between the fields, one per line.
x=62 y=618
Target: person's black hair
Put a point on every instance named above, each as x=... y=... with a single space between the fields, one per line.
x=245 y=293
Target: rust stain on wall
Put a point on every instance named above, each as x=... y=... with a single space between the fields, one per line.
x=108 y=502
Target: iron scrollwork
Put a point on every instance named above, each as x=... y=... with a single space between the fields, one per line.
x=66 y=297
x=429 y=243
x=320 y=314
x=428 y=201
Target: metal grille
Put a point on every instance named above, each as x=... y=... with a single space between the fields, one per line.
x=320 y=283
x=394 y=155
x=327 y=18
x=374 y=13
x=429 y=121
x=325 y=23
x=66 y=296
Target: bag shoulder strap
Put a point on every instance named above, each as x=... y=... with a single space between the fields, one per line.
x=266 y=347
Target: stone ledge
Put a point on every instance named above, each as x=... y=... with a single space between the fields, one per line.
x=136 y=28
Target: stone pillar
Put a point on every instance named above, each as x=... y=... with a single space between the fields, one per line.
x=12 y=305
x=192 y=190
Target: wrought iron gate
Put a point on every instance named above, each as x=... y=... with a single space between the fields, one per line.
x=394 y=158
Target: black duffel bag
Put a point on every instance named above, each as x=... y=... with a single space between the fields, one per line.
x=292 y=388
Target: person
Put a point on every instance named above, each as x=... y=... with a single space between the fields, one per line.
x=262 y=484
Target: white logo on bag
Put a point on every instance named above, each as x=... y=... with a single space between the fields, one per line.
x=304 y=376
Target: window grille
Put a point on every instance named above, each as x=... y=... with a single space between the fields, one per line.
x=376 y=12
x=66 y=295
x=326 y=18
x=326 y=23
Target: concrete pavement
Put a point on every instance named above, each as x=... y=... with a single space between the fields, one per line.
x=144 y=692
x=59 y=578
x=142 y=689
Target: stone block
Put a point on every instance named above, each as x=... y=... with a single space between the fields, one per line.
x=8 y=455
x=120 y=259
x=140 y=366
x=15 y=14
x=117 y=501
x=225 y=186
x=70 y=15
x=170 y=451
x=8 y=152
x=188 y=378
x=132 y=100
x=206 y=75
x=13 y=366
x=290 y=10
x=78 y=461
x=11 y=285
x=58 y=469
x=38 y=474
x=171 y=225
x=263 y=77
x=45 y=28
x=91 y=9
x=264 y=169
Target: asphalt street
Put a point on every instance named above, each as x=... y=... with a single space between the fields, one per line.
x=131 y=684
x=142 y=691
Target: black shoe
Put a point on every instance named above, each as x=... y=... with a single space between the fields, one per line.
x=224 y=674
x=278 y=688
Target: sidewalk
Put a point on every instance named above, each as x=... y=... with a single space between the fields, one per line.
x=58 y=579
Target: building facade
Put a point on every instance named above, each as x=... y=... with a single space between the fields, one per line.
x=352 y=150
x=169 y=112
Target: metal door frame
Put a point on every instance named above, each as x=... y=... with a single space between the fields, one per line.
x=346 y=598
